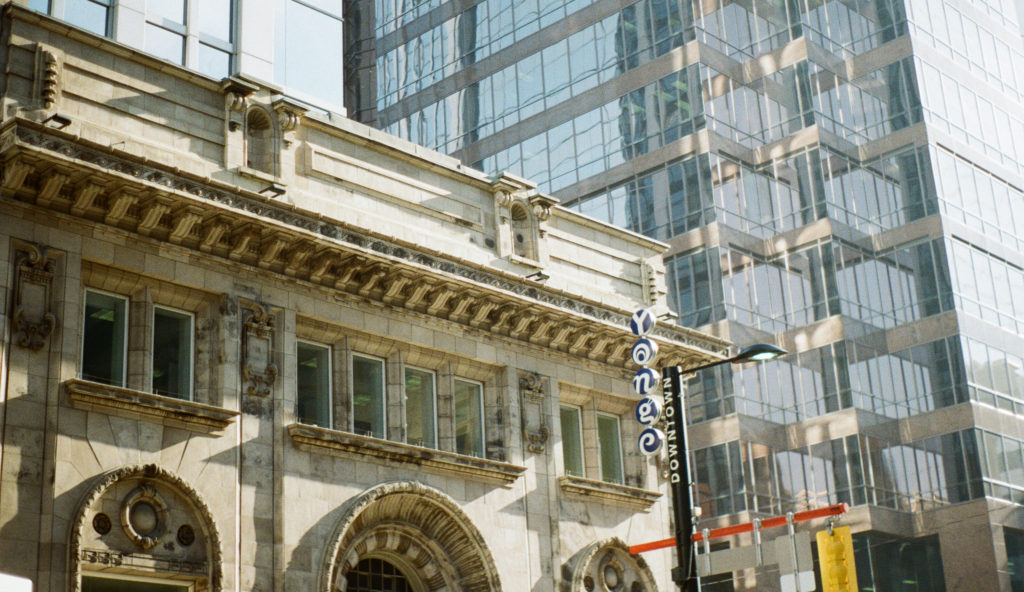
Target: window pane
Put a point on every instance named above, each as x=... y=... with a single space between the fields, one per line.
x=609 y=448
x=172 y=10
x=419 y=408
x=313 y=60
x=314 y=385
x=469 y=418
x=172 y=354
x=368 y=397
x=1015 y=558
x=215 y=19
x=87 y=15
x=165 y=44
x=39 y=5
x=572 y=442
x=103 y=339
x=213 y=62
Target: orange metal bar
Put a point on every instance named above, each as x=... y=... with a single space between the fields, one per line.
x=746 y=527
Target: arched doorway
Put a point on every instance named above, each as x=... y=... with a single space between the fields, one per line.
x=419 y=532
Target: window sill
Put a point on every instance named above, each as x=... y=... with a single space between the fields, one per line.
x=323 y=440
x=94 y=396
x=258 y=174
x=607 y=492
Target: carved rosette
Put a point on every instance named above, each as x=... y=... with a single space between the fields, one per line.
x=532 y=394
x=258 y=371
x=144 y=516
x=33 y=320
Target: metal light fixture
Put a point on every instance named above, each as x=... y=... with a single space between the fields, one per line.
x=679 y=469
x=275 y=189
x=538 y=276
x=59 y=121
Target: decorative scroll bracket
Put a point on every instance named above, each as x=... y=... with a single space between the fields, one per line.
x=532 y=393
x=33 y=320
x=258 y=371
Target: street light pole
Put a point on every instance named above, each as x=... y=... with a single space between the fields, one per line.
x=678 y=454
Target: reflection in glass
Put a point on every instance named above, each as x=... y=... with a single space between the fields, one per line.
x=609 y=446
x=312 y=62
x=420 y=419
x=213 y=62
x=91 y=16
x=215 y=19
x=172 y=10
x=469 y=418
x=165 y=44
x=572 y=441
x=368 y=396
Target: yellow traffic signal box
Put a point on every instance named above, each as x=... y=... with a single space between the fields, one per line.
x=835 y=553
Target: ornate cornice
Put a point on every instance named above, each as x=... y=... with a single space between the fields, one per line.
x=194 y=213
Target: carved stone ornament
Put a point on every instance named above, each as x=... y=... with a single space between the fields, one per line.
x=33 y=321
x=536 y=441
x=532 y=386
x=149 y=523
x=258 y=371
x=144 y=516
x=289 y=116
x=607 y=566
x=46 y=86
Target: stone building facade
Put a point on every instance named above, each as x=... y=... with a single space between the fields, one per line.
x=251 y=346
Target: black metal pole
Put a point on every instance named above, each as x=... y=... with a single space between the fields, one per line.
x=679 y=474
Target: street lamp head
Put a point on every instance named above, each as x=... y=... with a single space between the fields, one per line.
x=759 y=352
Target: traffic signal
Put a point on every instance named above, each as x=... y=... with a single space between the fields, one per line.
x=835 y=554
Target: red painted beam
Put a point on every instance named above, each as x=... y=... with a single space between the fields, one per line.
x=746 y=527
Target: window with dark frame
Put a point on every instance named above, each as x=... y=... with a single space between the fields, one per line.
x=313 y=399
x=104 y=338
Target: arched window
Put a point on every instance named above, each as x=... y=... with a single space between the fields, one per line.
x=374 y=575
x=259 y=141
x=522 y=233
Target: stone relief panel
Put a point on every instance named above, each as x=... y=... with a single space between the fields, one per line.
x=533 y=392
x=259 y=372
x=34 y=321
x=144 y=521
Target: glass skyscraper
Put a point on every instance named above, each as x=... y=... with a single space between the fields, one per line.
x=841 y=177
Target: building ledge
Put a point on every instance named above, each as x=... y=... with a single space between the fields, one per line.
x=125 y=402
x=323 y=440
x=622 y=495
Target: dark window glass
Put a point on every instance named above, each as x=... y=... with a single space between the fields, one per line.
x=368 y=396
x=94 y=584
x=314 y=385
x=103 y=339
x=172 y=353
x=376 y=575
